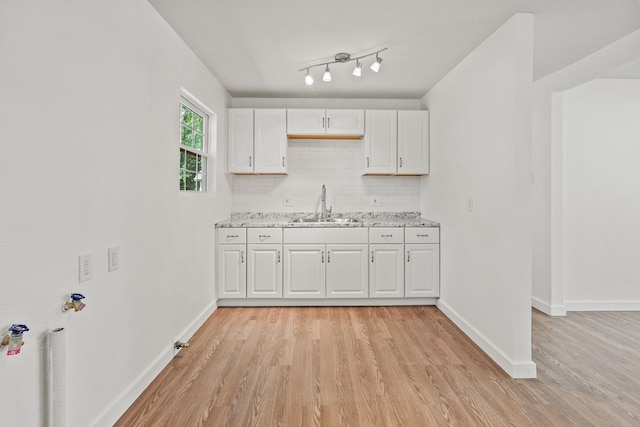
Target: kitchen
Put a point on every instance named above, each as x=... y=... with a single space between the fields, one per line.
x=97 y=108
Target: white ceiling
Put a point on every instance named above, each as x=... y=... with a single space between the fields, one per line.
x=256 y=47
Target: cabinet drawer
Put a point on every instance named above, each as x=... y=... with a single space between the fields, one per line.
x=386 y=235
x=325 y=235
x=231 y=235
x=422 y=235
x=264 y=235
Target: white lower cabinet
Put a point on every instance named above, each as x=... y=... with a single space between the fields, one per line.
x=304 y=271
x=264 y=270
x=232 y=271
x=347 y=273
x=386 y=271
x=325 y=271
x=422 y=263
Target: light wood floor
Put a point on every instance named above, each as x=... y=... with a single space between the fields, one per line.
x=391 y=366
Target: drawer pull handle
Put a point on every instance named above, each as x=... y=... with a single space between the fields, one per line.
x=408 y=256
x=242 y=257
x=400 y=161
x=386 y=235
x=422 y=235
x=232 y=236
x=371 y=256
x=322 y=257
x=263 y=236
x=250 y=161
x=328 y=256
x=282 y=161
x=367 y=162
x=278 y=260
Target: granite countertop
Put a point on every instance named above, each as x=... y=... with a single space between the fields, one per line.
x=367 y=219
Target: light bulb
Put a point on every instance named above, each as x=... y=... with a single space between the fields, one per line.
x=376 y=65
x=308 y=80
x=327 y=74
x=358 y=70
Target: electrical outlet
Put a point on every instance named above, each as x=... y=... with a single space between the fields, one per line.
x=376 y=201
x=114 y=258
x=287 y=201
x=85 y=268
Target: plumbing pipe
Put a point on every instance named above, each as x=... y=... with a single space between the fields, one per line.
x=57 y=378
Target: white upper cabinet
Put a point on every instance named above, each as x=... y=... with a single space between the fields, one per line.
x=321 y=122
x=396 y=142
x=413 y=142
x=240 y=140
x=257 y=141
x=381 y=142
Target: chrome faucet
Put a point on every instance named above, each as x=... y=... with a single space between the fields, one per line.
x=324 y=212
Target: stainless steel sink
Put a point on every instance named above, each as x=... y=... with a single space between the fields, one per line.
x=312 y=220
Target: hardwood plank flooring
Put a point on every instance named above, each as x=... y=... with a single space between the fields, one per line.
x=391 y=366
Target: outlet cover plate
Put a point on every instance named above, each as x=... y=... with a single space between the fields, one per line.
x=85 y=268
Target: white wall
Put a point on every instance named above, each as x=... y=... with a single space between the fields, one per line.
x=88 y=160
x=481 y=148
x=601 y=187
x=338 y=164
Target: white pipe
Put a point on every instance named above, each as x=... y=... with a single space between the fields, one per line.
x=57 y=384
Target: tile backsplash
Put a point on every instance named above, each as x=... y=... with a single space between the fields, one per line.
x=337 y=164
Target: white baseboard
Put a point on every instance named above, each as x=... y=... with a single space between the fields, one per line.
x=521 y=369
x=548 y=309
x=120 y=405
x=585 y=305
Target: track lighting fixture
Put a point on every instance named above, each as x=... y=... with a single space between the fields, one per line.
x=341 y=58
x=376 y=65
x=327 y=74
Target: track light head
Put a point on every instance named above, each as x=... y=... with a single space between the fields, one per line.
x=358 y=70
x=308 y=80
x=376 y=65
x=327 y=74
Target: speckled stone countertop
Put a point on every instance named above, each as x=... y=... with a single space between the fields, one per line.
x=367 y=219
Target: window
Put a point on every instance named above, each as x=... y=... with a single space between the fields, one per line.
x=194 y=145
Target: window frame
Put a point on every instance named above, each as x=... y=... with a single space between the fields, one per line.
x=209 y=142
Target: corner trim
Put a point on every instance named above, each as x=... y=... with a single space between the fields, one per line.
x=548 y=309
x=516 y=369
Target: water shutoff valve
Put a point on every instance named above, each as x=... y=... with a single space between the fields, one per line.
x=75 y=303
x=14 y=339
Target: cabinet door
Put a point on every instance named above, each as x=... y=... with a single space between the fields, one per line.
x=380 y=142
x=422 y=269
x=304 y=271
x=345 y=122
x=270 y=140
x=240 y=140
x=347 y=271
x=264 y=271
x=305 y=122
x=413 y=142
x=232 y=271
x=386 y=271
